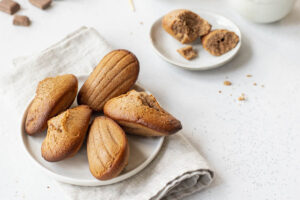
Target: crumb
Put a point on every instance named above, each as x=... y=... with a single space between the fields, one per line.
x=220 y=91
x=187 y=52
x=141 y=23
x=227 y=83
x=254 y=84
x=248 y=75
x=242 y=97
x=262 y=86
x=230 y=94
x=48 y=187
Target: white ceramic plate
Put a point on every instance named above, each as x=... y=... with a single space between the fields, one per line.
x=76 y=171
x=165 y=45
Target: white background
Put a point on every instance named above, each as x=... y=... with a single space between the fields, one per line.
x=254 y=146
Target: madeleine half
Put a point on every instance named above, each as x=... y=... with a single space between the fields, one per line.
x=185 y=25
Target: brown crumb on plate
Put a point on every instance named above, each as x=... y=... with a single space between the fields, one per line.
x=248 y=75
x=227 y=83
x=187 y=52
x=220 y=91
x=255 y=84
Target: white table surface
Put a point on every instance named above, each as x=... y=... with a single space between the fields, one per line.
x=254 y=146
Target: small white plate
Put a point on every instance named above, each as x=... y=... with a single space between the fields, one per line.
x=76 y=171
x=165 y=45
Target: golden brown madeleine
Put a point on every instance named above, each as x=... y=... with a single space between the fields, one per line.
x=139 y=113
x=185 y=26
x=115 y=75
x=53 y=95
x=220 y=41
x=66 y=133
x=107 y=148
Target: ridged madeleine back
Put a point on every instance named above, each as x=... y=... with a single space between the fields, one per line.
x=115 y=75
x=107 y=148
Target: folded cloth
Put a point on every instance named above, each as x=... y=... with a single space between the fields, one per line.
x=177 y=171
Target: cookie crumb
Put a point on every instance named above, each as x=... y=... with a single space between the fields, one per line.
x=48 y=187
x=141 y=23
x=255 y=84
x=227 y=83
x=220 y=91
x=262 y=86
x=242 y=97
x=187 y=52
x=248 y=75
x=231 y=95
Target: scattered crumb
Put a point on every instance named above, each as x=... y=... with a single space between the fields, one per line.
x=132 y=5
x=242 y=97
x=220 y=91
x=141 y=23
x=227 y=83
x=262 y=86
x=48 y=187
x=187 y=52
x=248 y=75
x=230 y=94
x=254 y=84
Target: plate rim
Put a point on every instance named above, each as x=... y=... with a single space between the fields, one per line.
x=186 y=66
x=85 y=182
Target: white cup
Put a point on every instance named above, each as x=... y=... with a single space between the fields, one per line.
x=263 y=11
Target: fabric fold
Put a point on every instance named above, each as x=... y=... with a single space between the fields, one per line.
x=178 y=170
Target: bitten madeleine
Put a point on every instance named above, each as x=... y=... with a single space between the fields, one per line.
x=66 y=133
x=107 y=148
x=219 y=42
x=185 y=26
x=115 y=74
x=139 y=113
x=53 y=95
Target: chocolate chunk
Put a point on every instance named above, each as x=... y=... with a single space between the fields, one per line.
x=21 y=20
x=42 y=4
x=9 y=6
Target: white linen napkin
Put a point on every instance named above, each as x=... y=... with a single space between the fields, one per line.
x=177 y=171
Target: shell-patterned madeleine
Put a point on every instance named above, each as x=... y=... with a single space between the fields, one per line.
x=107 y=148
x=115 y=75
